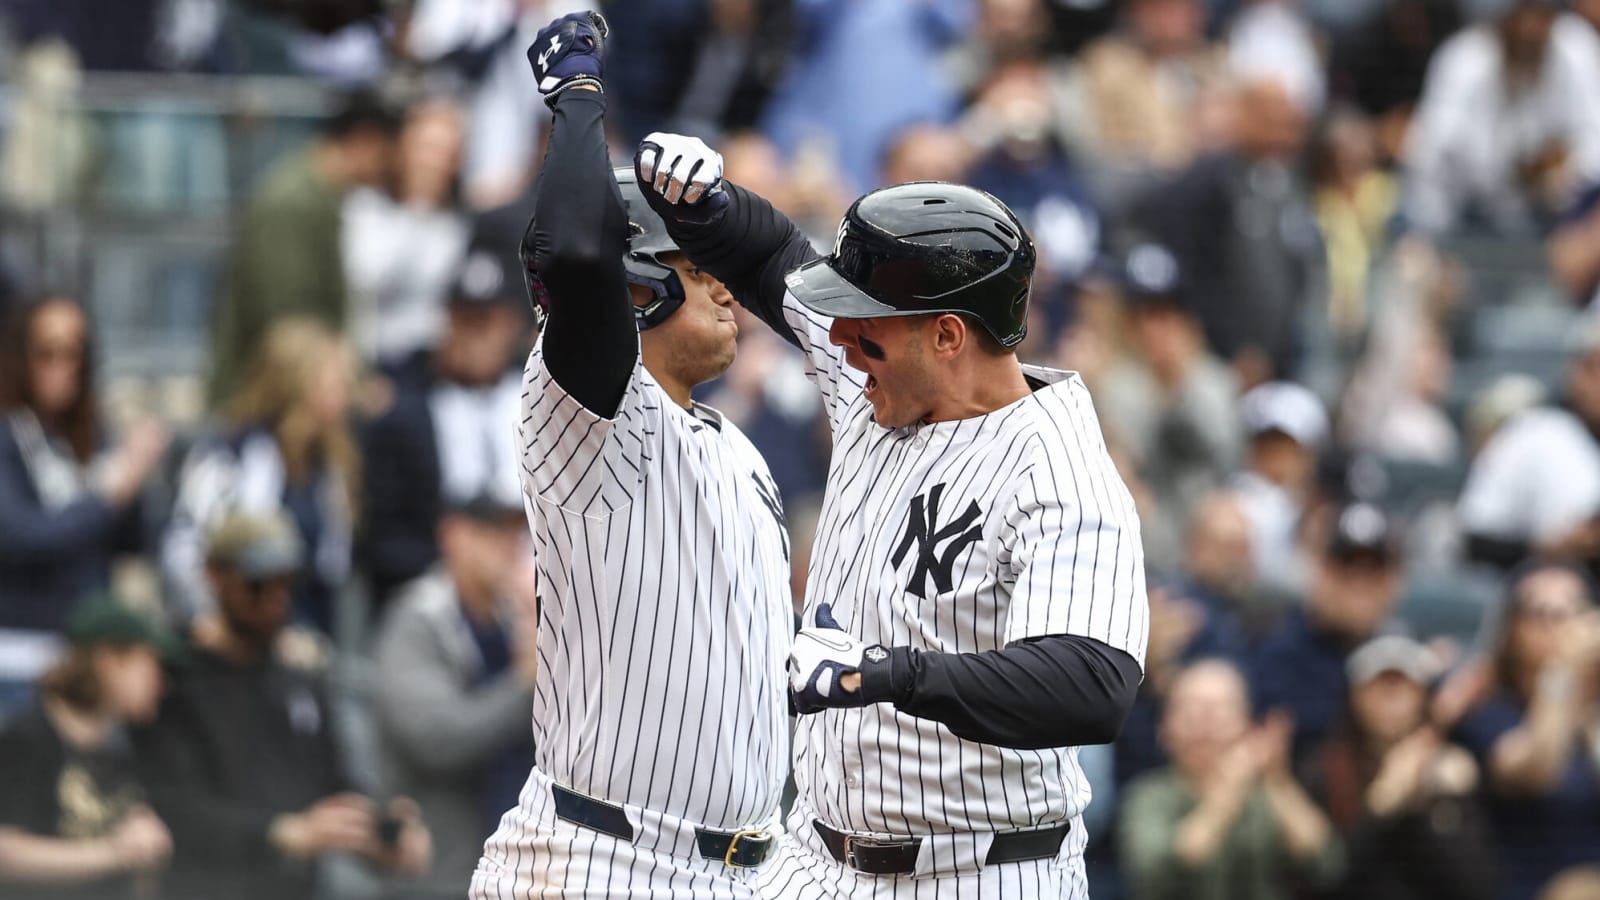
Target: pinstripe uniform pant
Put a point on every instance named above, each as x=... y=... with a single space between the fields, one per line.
x=804 y=870
x=535 y=855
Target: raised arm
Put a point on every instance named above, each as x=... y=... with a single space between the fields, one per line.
x=749 y=246
x=574 y=245
x=730 y=232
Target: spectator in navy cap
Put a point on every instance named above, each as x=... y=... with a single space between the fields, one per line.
x=1301 y=666
x=1170 y=407
x=447 y=437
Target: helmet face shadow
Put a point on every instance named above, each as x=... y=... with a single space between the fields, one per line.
x=925 y=247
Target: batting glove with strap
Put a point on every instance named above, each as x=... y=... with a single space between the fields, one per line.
x=568 y=52
x=820 y=658
x=681 y=178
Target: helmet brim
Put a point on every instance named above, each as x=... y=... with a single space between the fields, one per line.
x=823 y=290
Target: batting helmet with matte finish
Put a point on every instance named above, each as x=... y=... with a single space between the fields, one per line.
x=648 y=242
x=925 y=247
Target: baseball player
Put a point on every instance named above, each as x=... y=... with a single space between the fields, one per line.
x=976 y=602
x=660 y=709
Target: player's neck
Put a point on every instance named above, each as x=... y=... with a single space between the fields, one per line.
x=679 y=389
x=979 y=386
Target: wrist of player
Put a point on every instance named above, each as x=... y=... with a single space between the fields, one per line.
x=887 y=674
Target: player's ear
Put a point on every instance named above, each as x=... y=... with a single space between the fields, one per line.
x=949 y=335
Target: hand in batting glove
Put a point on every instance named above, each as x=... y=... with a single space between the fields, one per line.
x=821 y=656
x=568 y=52
x=681 y=178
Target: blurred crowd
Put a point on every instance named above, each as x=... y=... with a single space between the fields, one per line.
x=1327 y=267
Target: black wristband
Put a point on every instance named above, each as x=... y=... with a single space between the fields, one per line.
x=887 y=674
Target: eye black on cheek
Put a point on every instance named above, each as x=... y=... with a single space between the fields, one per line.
x=871 y=349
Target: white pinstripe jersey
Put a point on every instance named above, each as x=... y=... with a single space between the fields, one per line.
x=960 y=537
x=665 y=613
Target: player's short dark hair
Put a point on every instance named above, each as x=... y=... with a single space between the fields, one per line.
x=364 y=110
x=984 y=339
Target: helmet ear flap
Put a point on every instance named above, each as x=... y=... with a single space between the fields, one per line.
x=666 y=295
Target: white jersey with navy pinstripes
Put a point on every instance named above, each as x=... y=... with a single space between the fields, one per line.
x=960 y=537
x=665 y=612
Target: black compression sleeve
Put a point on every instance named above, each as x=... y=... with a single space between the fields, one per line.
x=749 y=248
x=1057 y=691
x=576 y=242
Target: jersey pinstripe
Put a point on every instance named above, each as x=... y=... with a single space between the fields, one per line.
x=960 y=537
x=665 y=617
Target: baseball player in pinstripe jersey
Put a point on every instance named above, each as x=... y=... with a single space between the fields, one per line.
x=976 y=602
x=660 y=708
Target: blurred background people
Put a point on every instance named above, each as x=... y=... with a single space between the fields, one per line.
x=403 y=241
x=1286 y=429
x=883 y=55
x=287 y=258
x=454 y=669
x=1146 y=96
x=1301 y=667
x=1240 y=223
x=290 y=444
x=1403 y=798
x=69 y=493
x=1227 y=818
x=449 y=433
x=74 y=818
x=1533 y=735
x=1507 y=126
x=1171 y=406
x=243 y=761
x=1534 y=489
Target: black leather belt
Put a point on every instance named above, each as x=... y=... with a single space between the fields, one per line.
x=898 y=856
x=740 y=849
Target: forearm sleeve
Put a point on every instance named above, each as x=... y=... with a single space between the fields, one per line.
x=575 y=243
x=749 y=248
x=1056 y=691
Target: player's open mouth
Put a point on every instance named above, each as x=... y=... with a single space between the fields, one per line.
x=872 y=385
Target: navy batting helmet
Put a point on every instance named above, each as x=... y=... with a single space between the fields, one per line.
x=648 y=242
x=925 y=247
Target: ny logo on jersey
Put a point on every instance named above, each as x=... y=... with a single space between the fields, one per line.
x=922 y=526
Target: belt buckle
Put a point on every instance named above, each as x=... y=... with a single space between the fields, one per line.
x=752 y=835
x=851 y=841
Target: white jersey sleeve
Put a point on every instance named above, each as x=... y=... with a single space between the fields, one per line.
x=842 y=386
x=1072 y=539
x=572 y=457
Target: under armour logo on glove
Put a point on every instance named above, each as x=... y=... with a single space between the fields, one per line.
x=569 y=50
x=821 y=657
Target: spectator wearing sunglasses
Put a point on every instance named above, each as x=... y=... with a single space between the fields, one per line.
x=242 y=760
